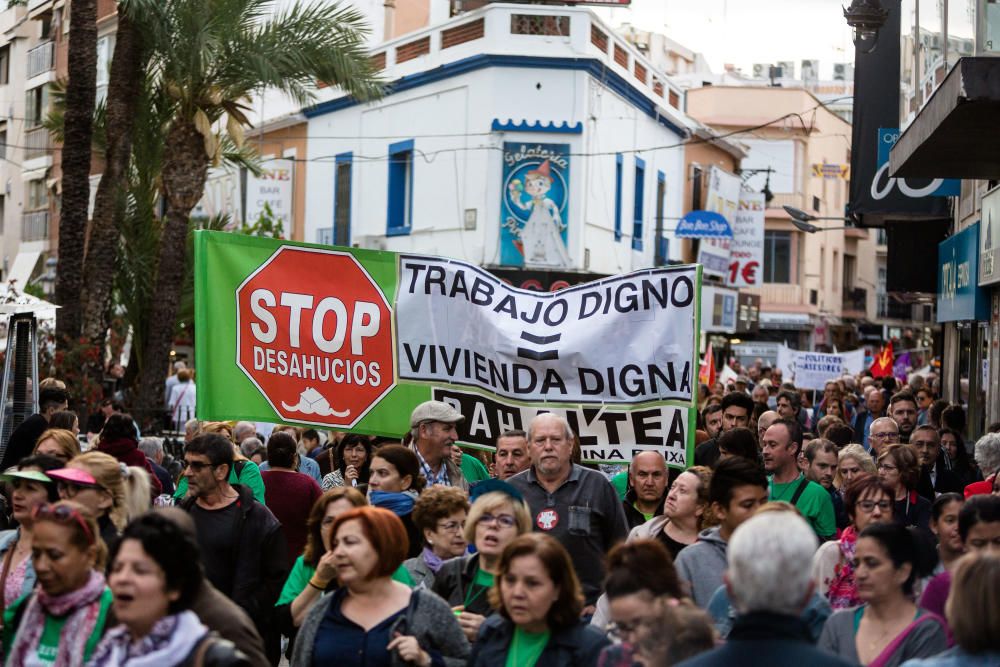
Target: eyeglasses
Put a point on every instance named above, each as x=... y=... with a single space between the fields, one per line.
x=452 y=526
x=887 y=467
x=884 y=436
x=197 y=466
x=869 y=505
x=70 y=489
x=65 y=515
x=505 y=520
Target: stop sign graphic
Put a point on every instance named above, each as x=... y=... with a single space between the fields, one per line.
x=314 y=334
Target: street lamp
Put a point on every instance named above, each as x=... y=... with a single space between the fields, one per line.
x=866 y=17
x=802 y=221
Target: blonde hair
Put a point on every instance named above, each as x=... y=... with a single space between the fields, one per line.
x=860 y=456
x=129 y=489
x=972 y=609
x=491 y=501
x=66 y=441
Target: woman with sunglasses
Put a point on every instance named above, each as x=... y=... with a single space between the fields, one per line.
x=108 y=491
x=30 y=488
x=495 y=519
x=867 y=501
x=60 y=623
x=899 y=467
x=155 y=577
x=538 y=599
x=59 y=444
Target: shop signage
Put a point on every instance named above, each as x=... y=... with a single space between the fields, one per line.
x=274 y=189
x=746 y=252
x=353 y=339
x=719 y=309
x=534 y=223
x=959 y=296
x=989 y=239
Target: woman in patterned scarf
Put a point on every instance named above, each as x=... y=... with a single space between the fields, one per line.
x=60 y=623
x=866 y=500
x=155 y=575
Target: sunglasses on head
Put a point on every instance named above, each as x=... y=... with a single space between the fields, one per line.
x=65 y=515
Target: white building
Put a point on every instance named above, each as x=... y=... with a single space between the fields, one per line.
x=511 y=135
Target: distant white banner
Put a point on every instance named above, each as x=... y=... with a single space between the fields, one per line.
x=811 y=370
x=622 y=340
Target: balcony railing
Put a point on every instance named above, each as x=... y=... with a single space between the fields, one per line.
x=41 y=59
x=37 y=143
x=35 y=226
x=855 y=300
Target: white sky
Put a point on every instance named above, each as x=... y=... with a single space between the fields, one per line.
x=744 y=32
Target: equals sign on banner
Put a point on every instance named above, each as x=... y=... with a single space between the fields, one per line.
x=538 y=355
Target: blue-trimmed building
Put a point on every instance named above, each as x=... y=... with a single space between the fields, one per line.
x=514 y=135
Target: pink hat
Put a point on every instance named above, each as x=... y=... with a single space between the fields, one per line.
x=73 y=476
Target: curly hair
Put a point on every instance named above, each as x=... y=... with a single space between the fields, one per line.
x=436 y=503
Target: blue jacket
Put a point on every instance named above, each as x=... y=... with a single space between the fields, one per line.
x=578 y=646
x=956 y=657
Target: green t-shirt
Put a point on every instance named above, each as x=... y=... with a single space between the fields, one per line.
x=301 y=573
x=473 y=469
x=647 y=517
x=620 y=482
x=48 y=643
x=526 y=648
x=814 y=504
x=249 y=476
x=482 y=582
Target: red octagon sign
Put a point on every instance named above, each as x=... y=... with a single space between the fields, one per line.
x=314 y=334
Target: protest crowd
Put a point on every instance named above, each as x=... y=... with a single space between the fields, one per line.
x=855 y=527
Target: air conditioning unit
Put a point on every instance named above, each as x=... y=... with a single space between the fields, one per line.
x=761 y=70
x=370 y=242
x=842 y=72
x=787 y=69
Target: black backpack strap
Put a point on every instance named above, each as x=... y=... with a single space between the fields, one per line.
x=799 y=489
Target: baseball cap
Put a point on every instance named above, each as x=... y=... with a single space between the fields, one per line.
x=435 y=411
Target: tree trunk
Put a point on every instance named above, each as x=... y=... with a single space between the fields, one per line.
x=80 y=94
x=124 y=87
x=185 y=168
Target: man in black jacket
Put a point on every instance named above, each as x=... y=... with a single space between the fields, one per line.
x=935 y=475
x=647 y=488
x=242 y=547
x=23 y=438
x=737 y=410
x=769 y=587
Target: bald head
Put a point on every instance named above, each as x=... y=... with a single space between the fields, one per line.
x=647 y=475
x=764 y=422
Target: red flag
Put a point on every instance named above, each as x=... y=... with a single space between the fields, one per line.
x=882 y=365
x=706 y=372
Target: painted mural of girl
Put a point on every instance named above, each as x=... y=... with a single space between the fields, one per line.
x=541 y=236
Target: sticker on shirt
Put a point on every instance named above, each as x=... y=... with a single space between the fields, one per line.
x=547 y=519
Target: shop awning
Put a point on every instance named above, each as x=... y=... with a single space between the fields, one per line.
x=955 y=134
x=787 y=321
x=23 y=266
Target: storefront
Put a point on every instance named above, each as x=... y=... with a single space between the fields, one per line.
x=989 y=279
x=964 y=312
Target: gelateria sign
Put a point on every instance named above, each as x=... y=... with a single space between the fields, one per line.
x=352 y=339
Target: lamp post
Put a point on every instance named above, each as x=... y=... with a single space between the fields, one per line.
x=802 y=221
x=866 y=17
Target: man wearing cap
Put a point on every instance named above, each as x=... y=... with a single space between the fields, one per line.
x=577 y=506
x=433 y=433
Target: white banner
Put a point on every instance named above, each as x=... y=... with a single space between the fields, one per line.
x=723 y=198
x=811 y=370
x=622 y=340
x=274 y=188
x=746 y=253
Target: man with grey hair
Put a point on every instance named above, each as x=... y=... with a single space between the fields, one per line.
x=769 y=587
x=987 y=454
x=153 y=449
x=432 y=435
x=884 y=432
x=575 y=505
x=244 y=430
x=250 y=445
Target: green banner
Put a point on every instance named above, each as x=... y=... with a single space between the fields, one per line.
x=350 y=339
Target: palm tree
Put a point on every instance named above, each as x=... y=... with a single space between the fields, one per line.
x=80 y=96
x=211 y=57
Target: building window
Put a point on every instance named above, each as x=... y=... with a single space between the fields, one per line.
x=696 y=183
x=4 y=65
x=618 y=197
x=662 y=247
x=3 y=144
x=640 y=191
x=105 y=49
x=400 y=210
x=342 y=200
x=777 y=257
x=816 y=203
x=36 y=106
x=38 y=195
